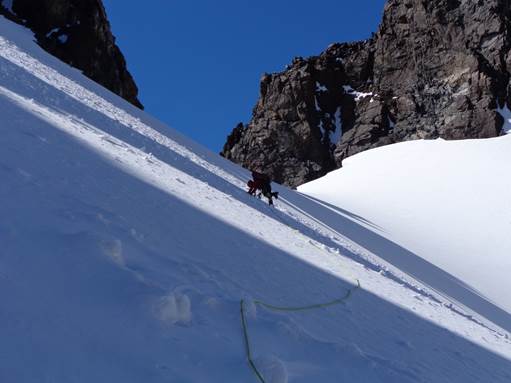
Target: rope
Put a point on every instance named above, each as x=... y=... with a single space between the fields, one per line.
x=286 y=309
x=311 y=307
x=247 y=343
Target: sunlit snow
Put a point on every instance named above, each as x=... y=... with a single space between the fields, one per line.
x=358 y=95
x=126 y=250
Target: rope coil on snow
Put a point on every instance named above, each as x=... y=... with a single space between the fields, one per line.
x=286 y=309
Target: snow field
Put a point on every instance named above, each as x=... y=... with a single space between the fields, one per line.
x=126 y=250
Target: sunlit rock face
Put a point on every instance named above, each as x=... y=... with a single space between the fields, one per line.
x=433 y=69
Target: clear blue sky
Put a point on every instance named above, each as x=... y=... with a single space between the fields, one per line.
x=198 y=62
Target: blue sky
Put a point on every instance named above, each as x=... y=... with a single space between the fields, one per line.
x=198 y=62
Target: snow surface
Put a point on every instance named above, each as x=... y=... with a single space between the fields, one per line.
x=126 y=249
x=444 y=201
x=358 y=95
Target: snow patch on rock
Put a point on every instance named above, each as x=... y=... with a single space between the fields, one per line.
x=358 y=95
x=321 y=88
x=54 y=30
x=322 y=128
x=506 y=114
x=316 y=104
x=335 y=136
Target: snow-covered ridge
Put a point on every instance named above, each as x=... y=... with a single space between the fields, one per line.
x=126 y=250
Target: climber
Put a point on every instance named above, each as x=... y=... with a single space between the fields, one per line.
x=261 y=182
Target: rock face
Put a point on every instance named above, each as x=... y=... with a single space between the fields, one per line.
x=436 y=68
x=78 y=33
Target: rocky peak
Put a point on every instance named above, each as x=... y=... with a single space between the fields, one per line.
x=436 y=68
x=78 y=33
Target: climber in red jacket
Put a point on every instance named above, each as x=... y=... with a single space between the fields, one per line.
x=263 y=183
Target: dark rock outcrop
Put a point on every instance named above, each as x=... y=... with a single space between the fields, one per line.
x=436 y=68
x=78 y=33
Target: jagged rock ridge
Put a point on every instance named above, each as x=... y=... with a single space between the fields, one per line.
x=78 y=33
x=434 y=69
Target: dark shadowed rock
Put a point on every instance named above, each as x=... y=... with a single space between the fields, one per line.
x=437 y=68
x=78 y=33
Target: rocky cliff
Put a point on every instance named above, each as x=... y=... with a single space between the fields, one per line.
x=436 y=68
x=78 y=33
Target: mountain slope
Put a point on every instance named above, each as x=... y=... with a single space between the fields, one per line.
x=126 y=250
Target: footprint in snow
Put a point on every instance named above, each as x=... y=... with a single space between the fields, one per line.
x=174 y=309
x=272 y=369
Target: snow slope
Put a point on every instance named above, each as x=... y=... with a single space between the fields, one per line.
x=126 y=250
x=445 y=201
